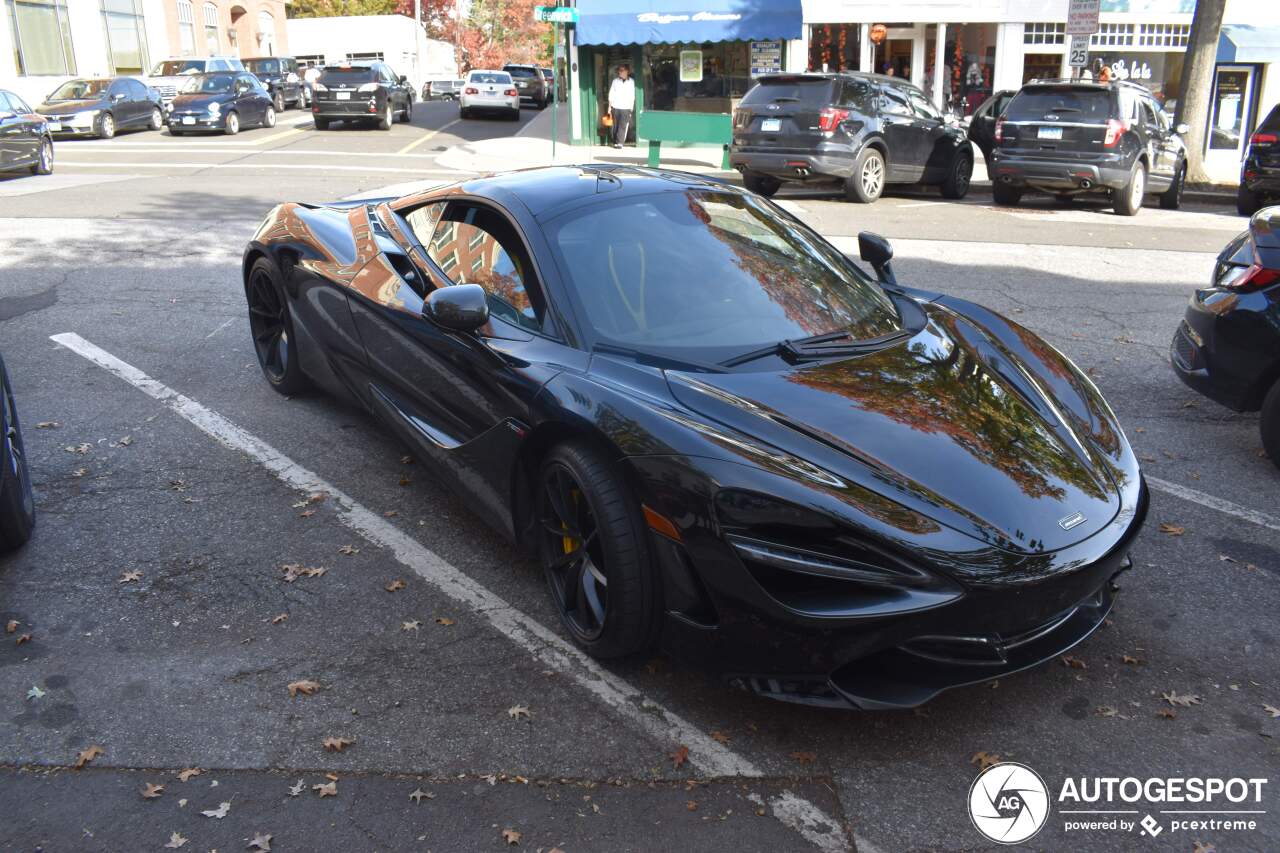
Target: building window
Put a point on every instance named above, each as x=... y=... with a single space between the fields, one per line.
x=1044 y=32
x=1164 y=35
x=1112 y=35
x=41 y=37
x=211 y=41
x=186 y=28
x=310 y=61
x=365 y=57
x=266 y=34
x=126 y=36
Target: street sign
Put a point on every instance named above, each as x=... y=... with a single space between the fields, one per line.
x=1082 y=17
x=556 y=14
x=1078 y=53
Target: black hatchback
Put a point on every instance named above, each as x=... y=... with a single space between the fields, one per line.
x=1072 y=137
x=1260 y=174
x=361 y=92
x=860 y=130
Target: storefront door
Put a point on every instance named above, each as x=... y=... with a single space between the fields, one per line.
x=1228 y=121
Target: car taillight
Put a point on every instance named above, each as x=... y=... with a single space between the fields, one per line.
x=1000 y=129
x=1254 y=277
x=1115 y=130
x=471 y=90
x=510 y=93
x=1261 y=138
x=830 y=118
x=739 y=119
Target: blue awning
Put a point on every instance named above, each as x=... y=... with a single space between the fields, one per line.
x=1247 y=43
x=670 y=21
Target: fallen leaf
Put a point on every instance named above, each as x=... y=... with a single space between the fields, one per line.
x=306 y=513
x=1167 y=714
x=152 y=791
x=1203 y=848
x=80 y=472
x=405 y=481
x=391 y=513
x=1172 y=529
x=805 y=757
x=329 y=789
x=11 y=626
x=348 y=550
x=679 y=757
x=35 y=692
x=394 y=585
x=260 y=842
x=87 y=755
x=337 y=744
x=276 y=620
x=511 y=836
x=1225 y=559
x=130 y=576
x=80 y=449
x=293 y=571
x=220 y=812
x=984 y=759
x=189 y=773
x=305 y=687
x=720 y=737
x=410 y=626
x=1106 y=711
x=175 y=841
x=418 y=795
x=48 y=425
x=406 y=460
x=1184 y=700
x=444 y=620
x=1272 y=710
x=182 y=803
x=691 y=805
x=517 y=712
x=295 y=790
x=1073 y=662
x=1130 y=659
x=22 y=638
x=125 y=442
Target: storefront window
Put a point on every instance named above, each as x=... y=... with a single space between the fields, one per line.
x=126 y=37
x=834 y=47
x=1041 y=66
x=970 y=56
x=1159 y=72
x=41 y=37
x=669 y=85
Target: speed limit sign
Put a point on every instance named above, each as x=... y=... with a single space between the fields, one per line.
x=1078 y=54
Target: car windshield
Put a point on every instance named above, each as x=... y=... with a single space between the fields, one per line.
x=210 y=84
x=347 y=75
x=1071 y=104
x=176 y=67
x=815 y=91
x=78 y=90
x=709 y=274
x=263 y=66
x=490 y=77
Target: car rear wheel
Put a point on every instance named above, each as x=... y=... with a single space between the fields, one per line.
x=1247 y=202
x=1127 y=200
x=44 y=160
x=956 y=184
x=106 y=126
x=1270 y=424
x=231 y=125
x=594 y=552
x=463 y=112
x=867 y=181
x=1003 y=194
x=271 y=324
x=17 y=502
x=157 y=119
x=761 y=184
x=407 y=116
x=269 y=120
x=515 y=114
x=277 y=101
x=385 y=122
x=1171 y=199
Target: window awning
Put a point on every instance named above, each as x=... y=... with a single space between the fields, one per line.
x=670 y=21
x=1247 y=43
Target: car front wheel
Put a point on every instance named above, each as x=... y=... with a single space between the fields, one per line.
x=231 y=125
x=1270 y=424
x=1171 y=199
x=867 y=181
x=269 y=120
x=1247 y=202
x=271 y=324
x=1127 y=200
x=106 y=126
x=17 y=502
x=157 y=119
x=956 y=184
x=44 y=160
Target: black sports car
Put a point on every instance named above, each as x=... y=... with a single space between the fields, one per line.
x=1228 y=345
x=17 y=504
x=714 y=429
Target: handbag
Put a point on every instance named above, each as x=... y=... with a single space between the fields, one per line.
x=607 y=120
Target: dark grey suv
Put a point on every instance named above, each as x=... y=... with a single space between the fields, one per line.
x=530 y=83
x=861 y=130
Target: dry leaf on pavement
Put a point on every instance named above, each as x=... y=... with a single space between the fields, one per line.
x=130 y=576
x=1106 y=711
x=295 y=790
x=984 y=759
x=152 y=791
x=1130 y=659
x=48 y=425
x=691 y=805
x=22 y=638
x=805 y=757
x=305 y=687
x=720 y=737
x=220 y=812
x=1183 y=700
x=517 y=712
x=337 y=744
x=329 y=789
x=410 y=626
x=11 y=626
x=1272 y=710
x=511 y=836
x=394 y=585
x=188 y=773
x=87 y=755
x=175 y=841
x=1073 y=662
x=419 y=795
x=261 y=842
x=1172 y=529
x=276 y=620
x=445 y=621
x=1167 y=713
x=348 y=550
x=679 y=757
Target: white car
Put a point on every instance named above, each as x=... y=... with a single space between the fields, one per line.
x=489 y=90
x=170 y=75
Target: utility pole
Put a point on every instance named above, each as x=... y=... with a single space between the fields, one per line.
x=1195 y=94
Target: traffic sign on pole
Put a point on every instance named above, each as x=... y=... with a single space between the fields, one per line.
x=1082 y=17
x=556 y=14
x=1078 y=52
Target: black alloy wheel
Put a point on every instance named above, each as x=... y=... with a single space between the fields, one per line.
x=272 y=328
x=956 y=184
x=764 y=185
x=1171 y=199
x=17 y=502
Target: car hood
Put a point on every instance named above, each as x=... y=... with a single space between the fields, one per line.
x=62 y=108
x=989 y=431
x=199 y=100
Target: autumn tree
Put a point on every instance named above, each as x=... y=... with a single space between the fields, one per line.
x=500 y=31
x=1197 y=83
x=335 y=8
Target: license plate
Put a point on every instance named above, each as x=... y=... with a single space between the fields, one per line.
x=343 y=96
x=771 y=125
x=524 y=85
x=188 y=119
x=54 y=126
x=1049 y=133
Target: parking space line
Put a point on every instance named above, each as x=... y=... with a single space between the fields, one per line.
x=547 y=647
x=195 y=148
x=284 y=134
x=239 y=164
x=1206 y=500
x=428 y=135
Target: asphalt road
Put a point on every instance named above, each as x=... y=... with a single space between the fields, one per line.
x=133 y=246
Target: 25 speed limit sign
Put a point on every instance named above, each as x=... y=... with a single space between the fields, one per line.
x=1078 y=54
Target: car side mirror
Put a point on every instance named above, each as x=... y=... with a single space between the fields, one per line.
x=459 y=307
x=118 y=97
x=1182 y=128
x=877 y=251
x=404 y=81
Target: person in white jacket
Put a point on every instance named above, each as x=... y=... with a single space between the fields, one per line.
x=622 y=104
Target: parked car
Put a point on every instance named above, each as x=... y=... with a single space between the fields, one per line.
x=1073 y=137
x=982 y=124
x=549 y=80
x=361 y=92
x=221 y=102
x=530 y=83
x=101 y=106
x=441 y=90
x=279 y=75
x=859 y=130
x=17 y=502
x=489 y=91
x=834 y=488
x=25 y=140
x=1260 y=173
x=169 y=75
x=1228 y=344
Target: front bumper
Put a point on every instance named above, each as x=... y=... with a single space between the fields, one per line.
x=1220 y=349
x=199 y=121
x=793 y=167
x=1095 y=174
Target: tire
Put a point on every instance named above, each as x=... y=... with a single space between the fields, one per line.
x=1171 y=199
x=1127 y=200
x=17 y=501
x=388 y=118
x=269 y=120
x=1247 y=202
x=157 y=119
x=321 y=123
x=614 y=562
x=271 y=325
x=231 y=124
x=463 y=112
x=407 y=115
x=515 y=114
x=761 y=184
x=866 y=184
x=106 y=128
x=277 y=101
x=1270 y=424
x=173 y=132
x=1005 y=195
x=44 y=159
x=956 y=184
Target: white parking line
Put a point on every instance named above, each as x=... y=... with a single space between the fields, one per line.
x=551 y=650
x=142 y=150
x=121 y=164
x=1241 y=512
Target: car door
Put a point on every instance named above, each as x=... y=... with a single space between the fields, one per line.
x=906 y=145
x=292 y=82
x=937 y=145
x=9 y=129
x=395 y=89
x=249 y=100
x=21 y=130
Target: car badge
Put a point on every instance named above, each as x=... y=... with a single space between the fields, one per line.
x=1051 y=117
x=1074 y=520
x=772 y=107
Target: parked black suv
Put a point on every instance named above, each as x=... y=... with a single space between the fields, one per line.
x=1260 y=175
x=533 y=87
x=862 y=130
x=279 y=74
x=363 y=91
x=982 y=124
x=1068 y=137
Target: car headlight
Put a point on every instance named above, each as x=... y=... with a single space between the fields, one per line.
x=215 y=108
x=368 y=87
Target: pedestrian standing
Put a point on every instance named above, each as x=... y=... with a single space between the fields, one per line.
x=622 y=103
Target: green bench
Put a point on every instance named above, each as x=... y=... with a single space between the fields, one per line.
x=658 y=126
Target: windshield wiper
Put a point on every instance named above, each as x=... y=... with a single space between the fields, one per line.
x=815 y=347
x=786 y=99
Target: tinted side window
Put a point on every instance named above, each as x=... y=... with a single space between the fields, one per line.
x=894 y=102
x=117 y=88
x=1148 y=113
x=808 y=91
x=17 y=104
x=923 y=108
x=4 y=102
x=857 y=94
